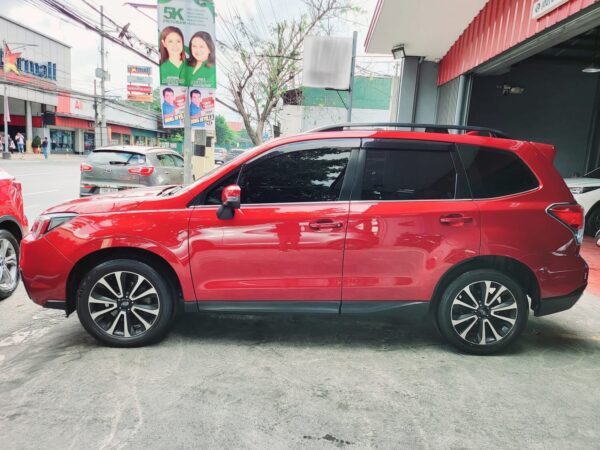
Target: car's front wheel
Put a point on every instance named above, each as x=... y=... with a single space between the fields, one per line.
x=125 y=303
x=482 y=311
x=9 y=264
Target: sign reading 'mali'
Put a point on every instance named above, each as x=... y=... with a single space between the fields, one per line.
x=46 y=71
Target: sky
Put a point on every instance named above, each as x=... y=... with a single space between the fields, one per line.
x=85 y=52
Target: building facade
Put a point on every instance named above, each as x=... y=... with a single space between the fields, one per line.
x=527 y=67
x=42 y=103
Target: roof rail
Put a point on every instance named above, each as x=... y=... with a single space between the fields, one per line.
x=428 y=128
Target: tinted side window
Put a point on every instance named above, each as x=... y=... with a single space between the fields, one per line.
x=165 y=160
x=495 y=173
x=408 y=175
x=178 y=160
x=296 y=177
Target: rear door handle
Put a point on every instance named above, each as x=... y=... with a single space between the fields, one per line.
x=455 y=219
x=325 y=224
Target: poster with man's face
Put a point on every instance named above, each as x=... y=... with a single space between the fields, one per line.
x=173 y=106
x=202 y=108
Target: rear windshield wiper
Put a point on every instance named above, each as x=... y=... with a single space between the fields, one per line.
x=118 y=163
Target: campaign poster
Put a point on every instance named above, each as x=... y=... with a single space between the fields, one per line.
x=202 y=108
x=187 y=45
x=173 y=106
x=139 y=83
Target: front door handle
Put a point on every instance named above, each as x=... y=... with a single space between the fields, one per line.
x=455 y=220
x=325 y=224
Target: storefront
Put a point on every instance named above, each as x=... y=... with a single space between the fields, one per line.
x=41 y=102
x=527 y=67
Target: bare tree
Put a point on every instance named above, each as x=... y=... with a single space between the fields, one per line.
x=262 y=68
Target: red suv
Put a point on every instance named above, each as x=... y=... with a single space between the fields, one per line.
x=339 y=221
x=12 y=225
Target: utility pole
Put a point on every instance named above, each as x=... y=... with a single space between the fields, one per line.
x=351 y=91
x=102 y=87
x=6 y=152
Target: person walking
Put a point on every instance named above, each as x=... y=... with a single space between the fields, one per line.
x=20 y=143
x=45 y=148
x=11 y=144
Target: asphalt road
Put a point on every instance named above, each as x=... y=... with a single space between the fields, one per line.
x=274 y=382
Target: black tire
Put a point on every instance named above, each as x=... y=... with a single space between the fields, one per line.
x=10 y=265
x=592 y=222
x=128 y=321
x=482 y=327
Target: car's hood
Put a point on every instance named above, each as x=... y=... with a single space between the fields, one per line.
x=583 y=182
x=123 y=201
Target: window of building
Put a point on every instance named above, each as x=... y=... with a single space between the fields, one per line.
x=126 y=139
x=88 y=142
x=495 y=173
x=115 y=138
x=398 y=174
x=61 y=141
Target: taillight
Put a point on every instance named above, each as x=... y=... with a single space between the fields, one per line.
x=571 y=216
x=144 y=171
x=85 y=167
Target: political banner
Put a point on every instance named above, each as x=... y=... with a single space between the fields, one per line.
x=187 y=49
x=202 y=108
x=173 y=105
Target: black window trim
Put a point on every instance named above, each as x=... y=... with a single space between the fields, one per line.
x=462 y=184
x=354 y=144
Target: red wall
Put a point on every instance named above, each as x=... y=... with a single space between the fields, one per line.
x=499 y=26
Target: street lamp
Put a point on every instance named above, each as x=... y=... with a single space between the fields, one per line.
x=6 y=153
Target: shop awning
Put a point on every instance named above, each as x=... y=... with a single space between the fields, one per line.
x=425 y=27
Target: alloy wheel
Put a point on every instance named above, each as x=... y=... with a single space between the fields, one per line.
x=9 y=266
x=484 y=313
x=124 y=304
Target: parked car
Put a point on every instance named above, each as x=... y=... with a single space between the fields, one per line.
x=233 y=153
x=112 y=169
x=13 y=225
x=586 y=191
x=334 y=221
x=220 y=155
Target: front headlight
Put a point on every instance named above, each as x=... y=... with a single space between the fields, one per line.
x=576 y=190
x=47 y=222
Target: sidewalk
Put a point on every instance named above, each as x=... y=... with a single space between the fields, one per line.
x=40 y=157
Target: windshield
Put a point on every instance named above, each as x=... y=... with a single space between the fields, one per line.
x=593 y=174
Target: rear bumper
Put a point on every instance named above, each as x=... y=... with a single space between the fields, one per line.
x=557 y=304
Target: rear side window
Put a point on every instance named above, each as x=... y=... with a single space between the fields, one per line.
x=408 y=175
x=495 y=173
x=116 y=158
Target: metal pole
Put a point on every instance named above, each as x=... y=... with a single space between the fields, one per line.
x=5 y=98
x=351 y=91
x=102 y=87
x=187 y=143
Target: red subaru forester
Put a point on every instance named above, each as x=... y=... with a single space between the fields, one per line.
x=13 y=224
x=341 y=220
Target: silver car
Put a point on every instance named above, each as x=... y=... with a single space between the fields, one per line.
x=111 y=169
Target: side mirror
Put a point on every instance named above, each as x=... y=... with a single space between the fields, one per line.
x=231 y=200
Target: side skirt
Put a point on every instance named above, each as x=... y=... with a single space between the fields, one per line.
x=291 y=307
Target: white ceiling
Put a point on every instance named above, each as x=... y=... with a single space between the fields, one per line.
x=426 y=27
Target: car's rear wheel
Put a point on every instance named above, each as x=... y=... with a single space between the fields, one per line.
x=9 y=264
x=125 y=303
x=482 y=312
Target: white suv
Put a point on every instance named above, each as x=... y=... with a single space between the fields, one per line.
x=586 y=191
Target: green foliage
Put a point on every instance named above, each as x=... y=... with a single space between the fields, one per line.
x=37 y=142
x=225 y=136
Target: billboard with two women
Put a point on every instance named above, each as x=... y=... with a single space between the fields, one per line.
x=187 y=62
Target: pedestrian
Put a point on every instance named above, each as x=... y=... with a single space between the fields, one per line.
x=45 y=148
x=11 y=144
x=20 y=142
